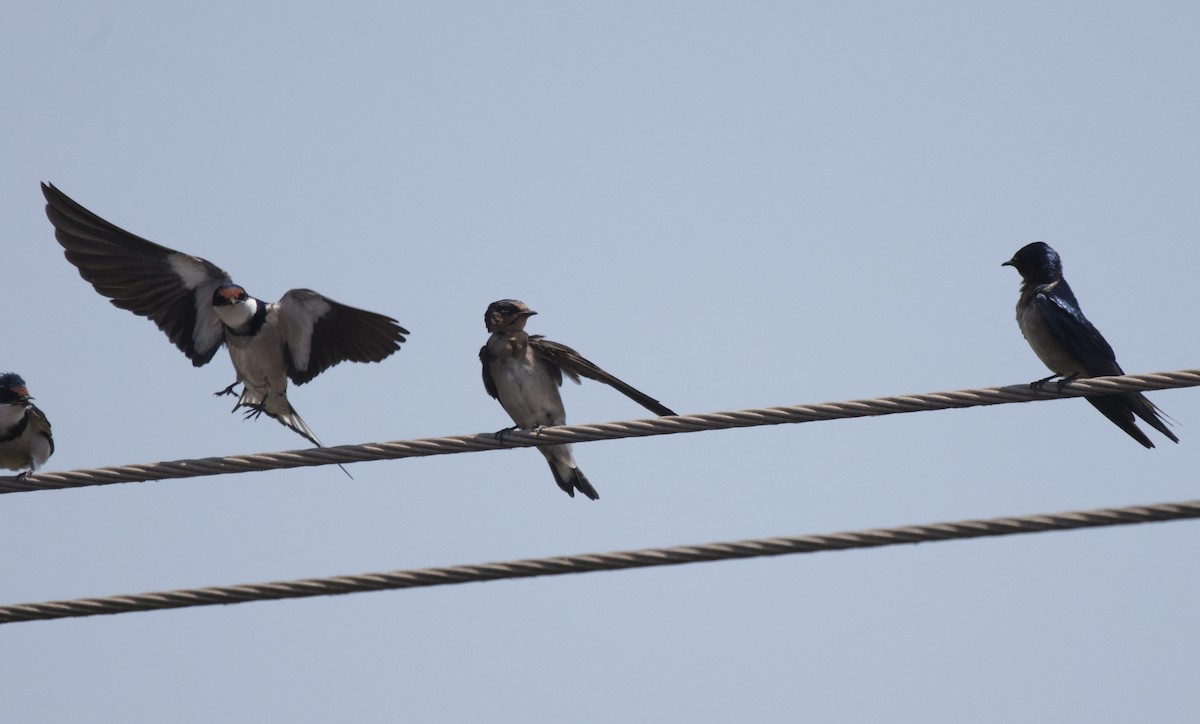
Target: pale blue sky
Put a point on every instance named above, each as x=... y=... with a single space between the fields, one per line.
x=727 y=205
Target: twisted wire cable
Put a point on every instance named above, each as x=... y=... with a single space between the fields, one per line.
x=619 y=560
x=600 y=431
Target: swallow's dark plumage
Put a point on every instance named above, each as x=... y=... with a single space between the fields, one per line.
x=524 y=373
x=1054 y=325
x=200 y=309
x=25 y=440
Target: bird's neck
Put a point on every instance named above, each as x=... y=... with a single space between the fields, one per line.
x=12 y=421
x=511 y=341
x=244 y=318
x=1040 y=284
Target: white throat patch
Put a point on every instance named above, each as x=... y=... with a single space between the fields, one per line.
x=238 y=314
x=10 y=415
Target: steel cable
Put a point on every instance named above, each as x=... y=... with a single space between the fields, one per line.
x=619 y=560
x=600 y=431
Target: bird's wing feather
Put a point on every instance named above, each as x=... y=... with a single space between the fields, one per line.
x=1083 y=341
x=575 y=365
x=489 y=384
x=318 y=333
x=41 y=424
x=172 y=289
x=1065 y=319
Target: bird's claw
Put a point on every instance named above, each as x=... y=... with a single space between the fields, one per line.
x=1039 y=384
x=252 y=411
x=1066 y=381
x=499 y=434
x=227 y=391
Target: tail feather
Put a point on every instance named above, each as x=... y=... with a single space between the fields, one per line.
x=278 y=407
x=569 y=477
x=580 y=481
x=1120 y=409
x=292 y=421
x=1153 y=416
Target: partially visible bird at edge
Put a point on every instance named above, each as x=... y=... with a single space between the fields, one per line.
x=25 y=439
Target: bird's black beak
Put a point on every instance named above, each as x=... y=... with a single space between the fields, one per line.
x=528 y=313
x=1010 y=262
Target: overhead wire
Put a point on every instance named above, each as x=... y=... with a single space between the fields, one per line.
x=613 y=561
x=619 y=560
x=600 y=431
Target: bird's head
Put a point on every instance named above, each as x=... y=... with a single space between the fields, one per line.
x=12 y=389
x=507 y=315
x=1037 y=263
x=228 y=294
x=233 y=305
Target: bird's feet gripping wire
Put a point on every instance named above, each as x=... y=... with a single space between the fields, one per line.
x=535 y=430
x=499 y=434
x=1039 y=385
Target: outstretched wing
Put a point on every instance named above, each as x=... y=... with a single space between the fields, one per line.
x=575 y=365
x=172 y=289
x=319 y=333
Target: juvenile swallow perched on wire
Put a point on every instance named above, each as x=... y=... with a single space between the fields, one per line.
x=1054 y=325
x=25 y=440
x=200 y=309
x=524 y=373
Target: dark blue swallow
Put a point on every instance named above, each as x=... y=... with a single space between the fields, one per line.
x=1054 y=325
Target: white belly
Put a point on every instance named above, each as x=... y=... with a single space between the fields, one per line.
x=527 y=391
x=30 y=450
x=260 y=364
